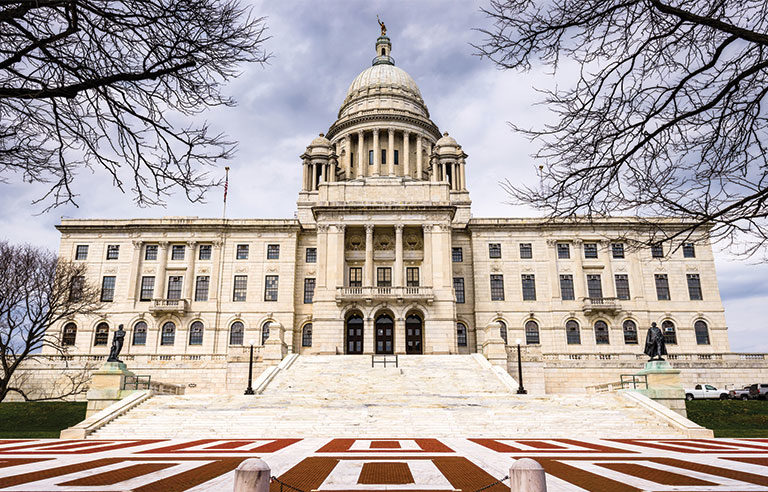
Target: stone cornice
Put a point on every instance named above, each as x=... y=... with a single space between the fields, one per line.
x=192 y=224
x=427 y=125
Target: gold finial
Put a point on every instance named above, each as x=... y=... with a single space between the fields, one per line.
x=382 y=25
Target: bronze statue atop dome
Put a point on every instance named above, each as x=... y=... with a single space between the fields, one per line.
x=382 y=25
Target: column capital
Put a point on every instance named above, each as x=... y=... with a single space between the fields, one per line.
x=137 y=244
x=360 y=133
x=427 y=227
x=375 y=131
x=369 y=228
x=191 y=244
x=341 y=227
x=322 y=227
x=217 y=243
x=399 y=228
x=577 y=243
x=163 y=244
x=551 y=242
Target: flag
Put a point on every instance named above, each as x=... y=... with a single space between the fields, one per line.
x=226 y=183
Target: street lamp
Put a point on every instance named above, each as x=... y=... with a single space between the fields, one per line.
x=249 y=389
x=520 y=389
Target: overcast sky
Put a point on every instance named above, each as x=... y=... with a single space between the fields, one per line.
x=319 y=47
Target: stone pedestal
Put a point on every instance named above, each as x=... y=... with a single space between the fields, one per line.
x=106 y=387
x=274 y=347
x=664 y=385
x=493 y=347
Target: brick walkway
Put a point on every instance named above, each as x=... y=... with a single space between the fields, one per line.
x=446 y=464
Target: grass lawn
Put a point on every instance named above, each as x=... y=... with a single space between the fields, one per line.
x=39 y=419
x=731 y=418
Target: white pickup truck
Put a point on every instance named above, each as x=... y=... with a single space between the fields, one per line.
x=705 y=391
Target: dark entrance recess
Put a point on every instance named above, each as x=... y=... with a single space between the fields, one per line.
x=385 y=329
x=413 y=335
x=355 y=334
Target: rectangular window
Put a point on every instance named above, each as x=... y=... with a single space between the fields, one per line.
x=76 y=286
x=370 y=158
x=397 y=157
x=689 y=250
x=526 y=251
x=201 y=287
x=662 y=286
x=113 y=251
x=494 y=250
x=242 y=252
x=657 y=251
x=622 y=286
x=383 y=156
x=457 y=255
x=311 y=255
x=694 y=286
x=563 y=251
x=150 y=252
x=240 y=288
x=177 y=252
x=273 y=251
x=384 y=277
x=590 y=250
x=594 y=287
x=566 y=287
x=529 y=287
x=81 y=252
x=618 y=250
x=458 y=287
x=497 y=287
x=356 y=277
x=108 y=289
x=309 y=290
x=270 y=288
x=174 y=286
x=204 y=252
x=412 y=276
x=147 y=289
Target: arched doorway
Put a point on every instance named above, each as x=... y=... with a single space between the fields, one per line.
x=413 y=334
x=385 y=338
x=355 y=334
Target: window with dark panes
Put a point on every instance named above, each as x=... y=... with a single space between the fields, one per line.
x=694 y=286
x=113 y=251
x=529 y=287
x=689 y=250
x=273 y=251
x=458 y=287
x=202 y=284
x=240 y=288
x=503 y=330
x=532 y=333
x=242 y=252
x=309 y=290
x=265 y=331
x=622 y=285
x=563 y=251
x=76 y=286
x=497 y=287
x=526 y=251
x=168 y=333
x=601 y=333
x=594 y=287
x=670 y=333
x=147 y=289
x=590 y=250
x=662 y=286
x=457 y=255
x=150 y=252
x=566 y=287
x=311 y=255
x=370 y=158
x=572 y=332
x=196 y=333
x=69 y=335
x=101 y=336
x=618 y=250
x=204 y=252
x=383 y=156
x=81 y=252
x=383 y=277
x=657 y=250
x=177 y=252
x=412 y=276
x=630 y=332
x=108 y=289
x=461 y=335
x=702 y=333
x=140 y=333
x=494 y=250
x=356 y=277
x=306 y=335
x=174 y=286
x=397 y=157
x=236 y=333
x=270 y=288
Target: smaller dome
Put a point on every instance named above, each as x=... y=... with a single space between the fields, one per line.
x=320 y=146
x=446 y=140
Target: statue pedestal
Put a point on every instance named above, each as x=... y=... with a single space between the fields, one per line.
x=664 y=385
x=106 y=387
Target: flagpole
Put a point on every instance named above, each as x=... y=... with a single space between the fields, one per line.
x=226 y=185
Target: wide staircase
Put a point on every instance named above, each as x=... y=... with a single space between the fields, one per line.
x=426 y=396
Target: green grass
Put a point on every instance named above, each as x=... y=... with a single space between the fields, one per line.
x=39 y=419
x=731 y=418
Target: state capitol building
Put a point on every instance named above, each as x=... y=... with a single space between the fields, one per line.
x=384 y=257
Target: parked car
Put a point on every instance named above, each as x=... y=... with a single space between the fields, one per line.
x=739 y=394
x=758 y=391
x=705 y=391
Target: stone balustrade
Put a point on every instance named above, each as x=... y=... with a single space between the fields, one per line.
x=601 y=304
x=162 y=306
x=370 y=293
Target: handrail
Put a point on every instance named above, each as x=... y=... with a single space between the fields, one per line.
x=383 y=359
x=634 y=380
x=136 y=382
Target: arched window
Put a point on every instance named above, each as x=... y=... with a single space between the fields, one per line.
x=601 y=333
x=140 y=333
x=306 y=335
x=503 y=330
x=630 y=332
x=461 y=335
x=102 y=334
x=69 y=335
x=572 y=332
x=702 y=333
x=236 y=333
x=532 y=333
x=168 y=334
x=196 y=333
x=670 y=334
x=265 y=332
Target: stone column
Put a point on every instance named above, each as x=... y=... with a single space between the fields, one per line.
x=376 y=153
x=553 y=275
x=399 y=333
x=463 y=174
x=368 y=271
x=610 y=290
x=348 y=160
x=399 y=256
x=191 y=250
x=339 y=280
x=391 y=151
x=419 y=157
x=135 y=278
x=216 y=273
x=360 y=148
x=161 y=264
x=322 y=254
x=312 y=174
x=369 y=337
x=433 y=160
x=426 y=264
x=322 y=172
x=307 y=185
x=579 y=279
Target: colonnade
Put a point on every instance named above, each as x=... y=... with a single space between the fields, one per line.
x=451 y=171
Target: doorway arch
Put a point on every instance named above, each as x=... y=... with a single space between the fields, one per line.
x=414 y=334
x=354 y=334
x=385 y=334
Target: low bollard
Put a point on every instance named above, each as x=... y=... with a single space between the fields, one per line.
x=527 y=475
x=252 y=475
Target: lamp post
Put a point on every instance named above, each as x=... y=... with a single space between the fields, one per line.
x=249 y=389
x=520 y=389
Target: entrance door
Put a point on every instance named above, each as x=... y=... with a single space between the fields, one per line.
x=355 y=334
x=413 y=335
x=385 y=329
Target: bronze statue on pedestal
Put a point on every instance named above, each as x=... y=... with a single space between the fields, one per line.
x=655 y=345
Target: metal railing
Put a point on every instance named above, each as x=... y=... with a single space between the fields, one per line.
x=137 y=382
x=384 y=359
x=632 y=381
